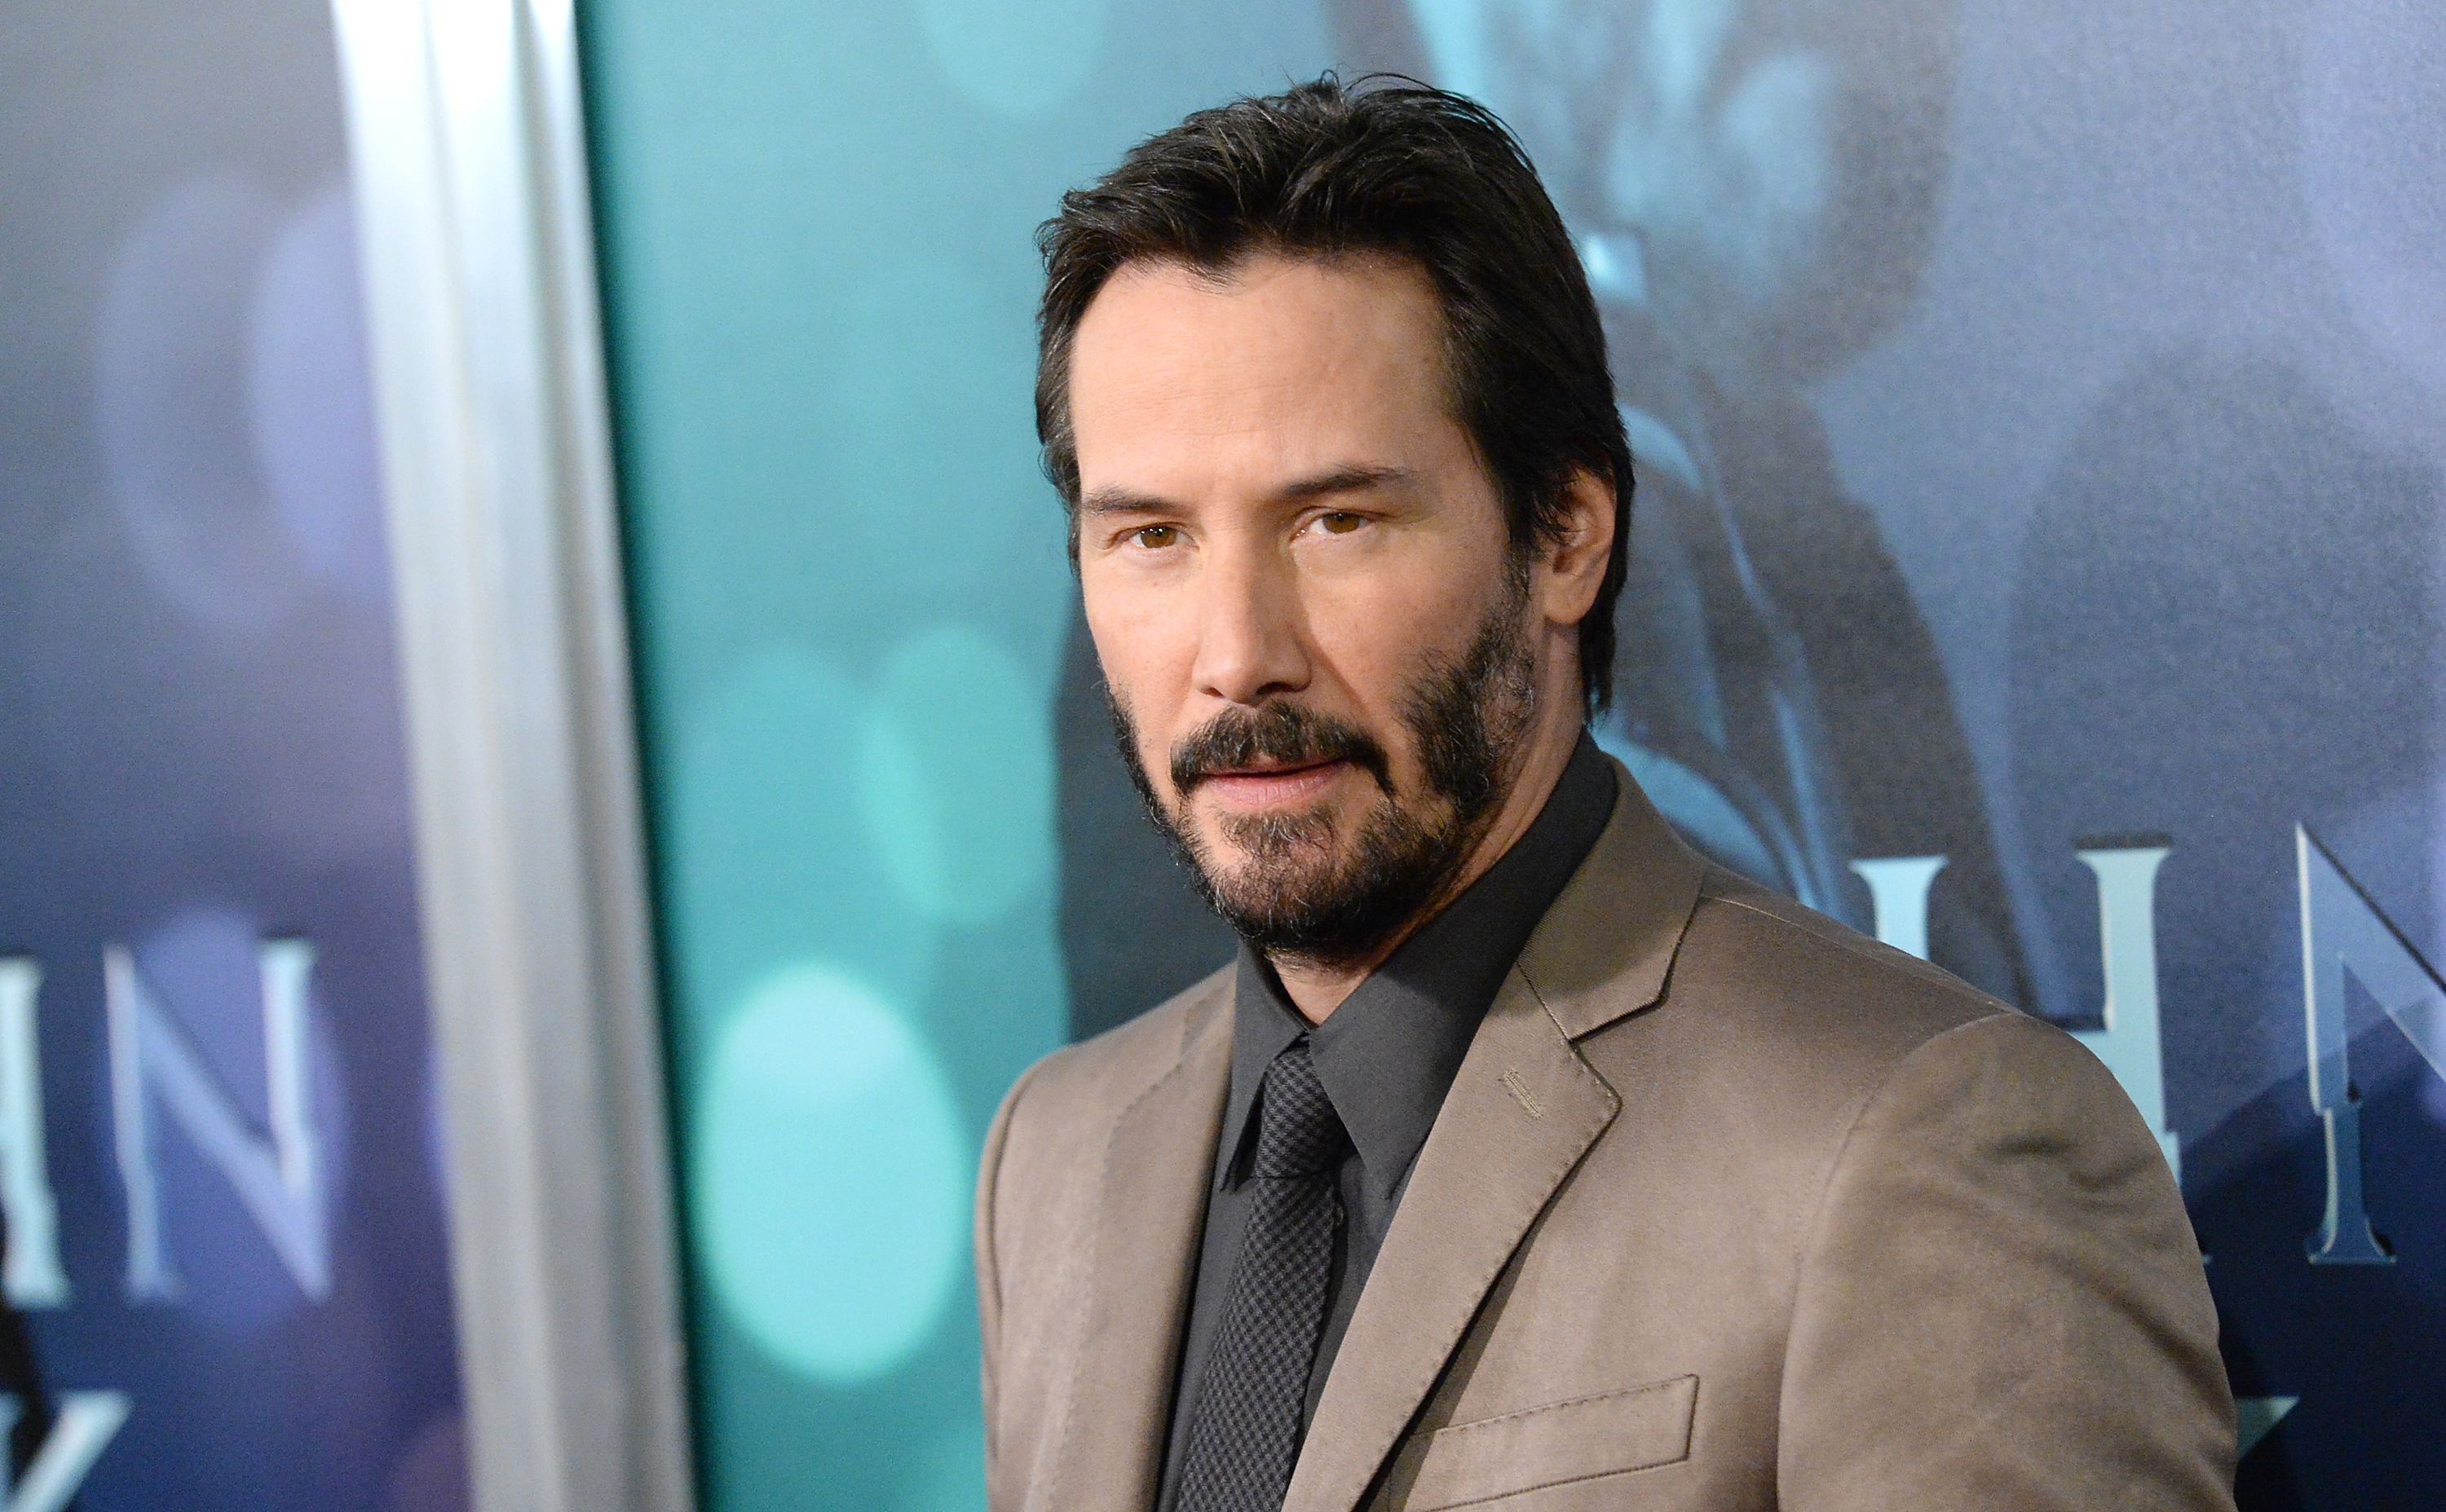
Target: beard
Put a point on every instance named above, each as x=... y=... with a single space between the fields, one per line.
x=1301 y=894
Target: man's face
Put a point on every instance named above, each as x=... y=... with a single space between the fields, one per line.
x=1313 y=628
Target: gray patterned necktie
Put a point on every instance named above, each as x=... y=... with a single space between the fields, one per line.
x=1245 y=1435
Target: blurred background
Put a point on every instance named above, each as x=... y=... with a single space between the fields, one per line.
x=2041 y=418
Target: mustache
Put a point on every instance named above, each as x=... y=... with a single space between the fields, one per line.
x=1283 y=733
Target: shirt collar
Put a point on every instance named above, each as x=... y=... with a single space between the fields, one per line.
x=1387 y=1055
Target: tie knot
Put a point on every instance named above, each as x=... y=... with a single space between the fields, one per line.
x=1298 y=1132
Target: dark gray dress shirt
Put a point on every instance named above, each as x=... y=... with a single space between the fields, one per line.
x=1386 y=1056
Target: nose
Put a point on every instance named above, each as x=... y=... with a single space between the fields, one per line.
x=1250 y=640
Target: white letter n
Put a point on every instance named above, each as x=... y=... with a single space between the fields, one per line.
x=274 y=1178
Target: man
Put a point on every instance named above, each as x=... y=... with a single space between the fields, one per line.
x=1522 y=1158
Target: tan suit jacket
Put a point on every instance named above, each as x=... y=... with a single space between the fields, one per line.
x=1728 y=1207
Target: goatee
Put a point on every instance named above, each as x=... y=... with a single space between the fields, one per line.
x=1295 y=896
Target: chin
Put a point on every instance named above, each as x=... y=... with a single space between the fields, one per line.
x=1311 y=833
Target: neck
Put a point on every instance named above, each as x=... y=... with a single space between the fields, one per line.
x=1316 y=989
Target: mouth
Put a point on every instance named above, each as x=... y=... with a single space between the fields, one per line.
x=1273 y=787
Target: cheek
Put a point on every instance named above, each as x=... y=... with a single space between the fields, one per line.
x=1145 y=660
x=1381 y=632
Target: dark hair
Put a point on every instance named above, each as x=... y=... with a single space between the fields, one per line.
x=1391 y=167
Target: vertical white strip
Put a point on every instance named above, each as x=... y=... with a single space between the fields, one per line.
x=2127 y=946
x=31 y=1275
x=287 y=967
x=148 y=1267
x=1899 y=890
x=469 y=168
x=2344 y=934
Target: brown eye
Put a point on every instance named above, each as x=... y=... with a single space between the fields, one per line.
x=1339 y=522
x=1156 y=537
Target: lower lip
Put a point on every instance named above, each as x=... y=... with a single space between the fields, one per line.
x=1273 y=789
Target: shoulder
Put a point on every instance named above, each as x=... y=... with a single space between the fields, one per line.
x=1759 y=968
x=1702 y=987
x=1781 y=1029
x=1816 y=1054
x=1981 y=1173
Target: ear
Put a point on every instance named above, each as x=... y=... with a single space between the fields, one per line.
x=1571 y=566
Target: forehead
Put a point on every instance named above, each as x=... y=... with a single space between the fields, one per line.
x=1309 y=354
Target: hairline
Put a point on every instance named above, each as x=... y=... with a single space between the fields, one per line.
x=1226 y=273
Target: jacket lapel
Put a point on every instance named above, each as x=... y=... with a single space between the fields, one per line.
x=1521 y=1113
x=1150 y=1217
x=1523 y=1110
x=1605 y=948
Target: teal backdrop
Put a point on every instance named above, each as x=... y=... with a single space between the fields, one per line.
x=2040 y=562
x=816 y=226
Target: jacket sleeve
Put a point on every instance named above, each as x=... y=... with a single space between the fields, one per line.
x=990 y=1280
x=2001 y=1302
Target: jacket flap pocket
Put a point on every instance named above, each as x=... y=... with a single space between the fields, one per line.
x=1605 y=1434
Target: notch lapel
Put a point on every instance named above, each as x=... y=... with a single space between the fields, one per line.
x=1521 y=1113
x=1151 y=1216
x=1605 y=948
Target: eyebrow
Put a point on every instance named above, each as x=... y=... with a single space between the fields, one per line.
x=1325 y=485
x=1121 y=502
x=1344 y=480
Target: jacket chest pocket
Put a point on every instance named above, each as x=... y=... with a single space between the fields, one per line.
x=1611 y=1434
